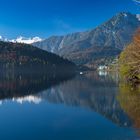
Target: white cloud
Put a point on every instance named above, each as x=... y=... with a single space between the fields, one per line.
x=137 y=2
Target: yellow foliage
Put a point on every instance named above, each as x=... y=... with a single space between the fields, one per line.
x=129 y=99
x=130 y=59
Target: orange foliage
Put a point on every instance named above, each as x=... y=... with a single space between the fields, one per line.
x=129 y=99
x=130 y=60
x=137 y=38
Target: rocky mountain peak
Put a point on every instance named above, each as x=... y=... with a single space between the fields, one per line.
x=105 y=40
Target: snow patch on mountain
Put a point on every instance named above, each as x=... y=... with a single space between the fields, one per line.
x=21 y=39
x=26 y=40
x=138 y=16
x=125 y=15
x=3 y=38
x=29 y=99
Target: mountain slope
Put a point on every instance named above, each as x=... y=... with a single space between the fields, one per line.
x=22 y=55
x=115 y=34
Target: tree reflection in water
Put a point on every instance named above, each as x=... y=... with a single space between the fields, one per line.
x=129 y=98
x=91 y=91
x=14 y=84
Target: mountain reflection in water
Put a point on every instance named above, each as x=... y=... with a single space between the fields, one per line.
x=26 y=86
x=90 y=91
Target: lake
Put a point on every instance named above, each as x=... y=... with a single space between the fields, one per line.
x=92 y=106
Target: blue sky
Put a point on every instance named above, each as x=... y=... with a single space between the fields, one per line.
x=54 y=17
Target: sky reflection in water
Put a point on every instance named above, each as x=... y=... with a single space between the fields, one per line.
x=85 y=106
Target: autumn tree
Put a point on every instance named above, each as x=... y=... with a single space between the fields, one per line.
x=130 y=60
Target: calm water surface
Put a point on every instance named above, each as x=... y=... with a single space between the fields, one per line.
x=82 y=107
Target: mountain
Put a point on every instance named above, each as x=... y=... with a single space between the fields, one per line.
x=25 y=40
x=22 y=39
x=3 y=39
x=97 y=45
x=27 y=57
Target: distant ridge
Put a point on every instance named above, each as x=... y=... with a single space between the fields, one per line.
x=105 y=41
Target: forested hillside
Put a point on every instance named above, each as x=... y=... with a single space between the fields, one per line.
x=21 y=55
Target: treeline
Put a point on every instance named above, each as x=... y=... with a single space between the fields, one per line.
x=17 y=54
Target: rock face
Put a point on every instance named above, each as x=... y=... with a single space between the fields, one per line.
x=87 y=47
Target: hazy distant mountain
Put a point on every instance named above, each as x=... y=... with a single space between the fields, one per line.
x=25 y=40
x=22 y=39
x=105 y=41
x=3 y=38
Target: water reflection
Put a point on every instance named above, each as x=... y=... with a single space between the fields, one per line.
x=91 y=92
x=101 y=94
x=29 y=99
x=23 y=87
x=129 y=98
